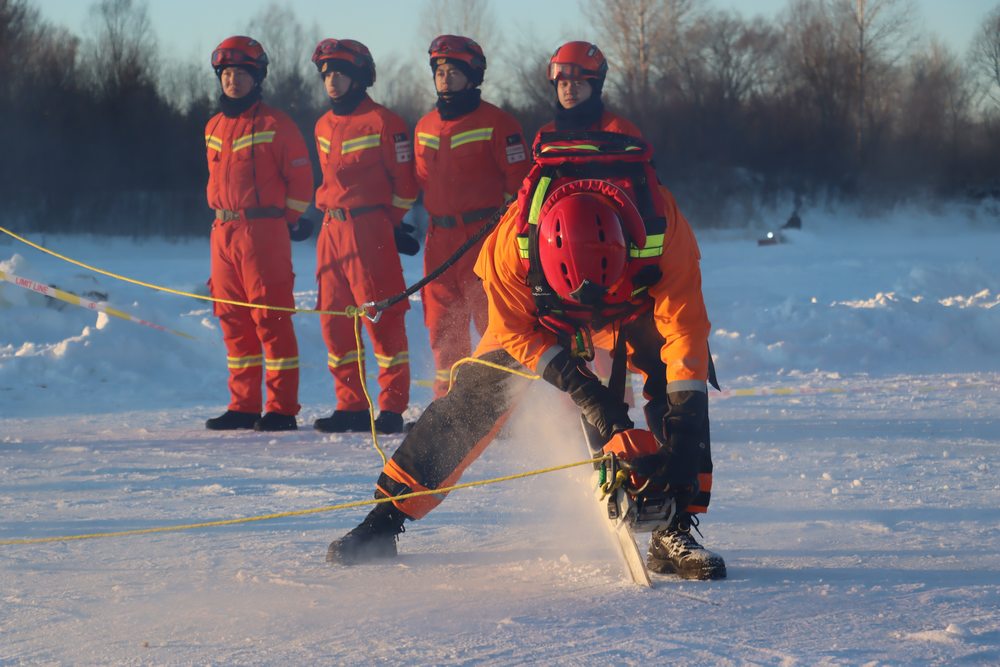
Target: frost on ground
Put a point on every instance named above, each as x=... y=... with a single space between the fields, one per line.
x=856 y=490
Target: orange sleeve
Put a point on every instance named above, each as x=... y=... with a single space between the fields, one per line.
x=295 y=168
x=513 y=320
x=397 y=156
x=511 y=153
x=679 y=309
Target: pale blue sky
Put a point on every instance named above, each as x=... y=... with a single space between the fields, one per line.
x=191 y=28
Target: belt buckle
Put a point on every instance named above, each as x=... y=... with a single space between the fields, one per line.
x=339 y=214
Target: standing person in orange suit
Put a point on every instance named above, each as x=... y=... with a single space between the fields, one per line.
x=577 y=71
x=470 y=159
x=259 y=183
x=366 y=156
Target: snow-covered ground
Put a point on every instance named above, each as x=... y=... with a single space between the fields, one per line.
x=856 y=487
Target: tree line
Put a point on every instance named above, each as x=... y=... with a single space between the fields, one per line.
x=833 y=99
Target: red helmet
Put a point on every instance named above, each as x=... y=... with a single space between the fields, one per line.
x=240 y=51
x=578 y=60
x=348 y=56
x=582 y=241
x=460 y=51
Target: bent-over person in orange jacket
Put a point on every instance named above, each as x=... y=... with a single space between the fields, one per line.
x=259 y=183
x=602 y=269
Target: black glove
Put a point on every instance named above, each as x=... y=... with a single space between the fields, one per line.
x=301 y=229
x=676 y=464
x=607 y=413
x=405 y=243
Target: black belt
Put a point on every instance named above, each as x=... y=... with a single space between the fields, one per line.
x=251 y=213
x=342 y=213
x=449 y=221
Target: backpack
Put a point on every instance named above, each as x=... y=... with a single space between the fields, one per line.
x=624 y=162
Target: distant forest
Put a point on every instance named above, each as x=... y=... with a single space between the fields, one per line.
x=833 y=100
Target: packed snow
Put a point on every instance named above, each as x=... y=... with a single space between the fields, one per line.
x=856 y=490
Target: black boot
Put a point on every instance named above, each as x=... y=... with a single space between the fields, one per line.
x=275 y=421
x=342 y=421
x=389 y=422
x=374 y=538
x=231 y=420
x=674 y=550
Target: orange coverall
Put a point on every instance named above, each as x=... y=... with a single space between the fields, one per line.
x=468 y=167
x=259 y=179
x=455 y=429
x=368 y=186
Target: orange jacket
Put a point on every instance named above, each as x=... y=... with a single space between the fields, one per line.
x=258 y=159
x=609 y=122
x=469 y=163
x=367 y=160
x=678 y=306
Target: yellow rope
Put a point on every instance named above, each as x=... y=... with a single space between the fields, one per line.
x=364 y=386
x=314 y=510
x=350 y=312
x=474 y=360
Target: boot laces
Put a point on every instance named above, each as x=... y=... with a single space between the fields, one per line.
x=678 y=540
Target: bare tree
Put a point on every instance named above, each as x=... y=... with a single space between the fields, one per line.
x=469 y=18
x=938 y=97
x=291 y=76
x=727 y=60
x=881 y=33
x=642 y=39
x=985 y=54
x=122 y=46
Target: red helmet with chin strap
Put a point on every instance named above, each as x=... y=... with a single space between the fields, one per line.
x=240 y=51
x=582 y=246
x=461 y=51
x=347 y=55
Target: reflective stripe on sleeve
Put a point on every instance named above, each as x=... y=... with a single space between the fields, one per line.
x=687 y=385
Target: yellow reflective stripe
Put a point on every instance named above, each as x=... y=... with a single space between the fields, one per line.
x=388 y=362
x=360 y=144
x=402 y=202
x=248 y=140
x=522 y=246
x=296 y=204
x=324 y=144
x=285 y=364
x=429 y=140
x=653 y=247
x=349 y=358
x=213 y=142
x=480 y=134
x=536 y=201
x=577 y=147
x=245 y=362
x=442 y=374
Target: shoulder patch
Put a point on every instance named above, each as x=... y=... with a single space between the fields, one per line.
x=404 y=147
x=515 y=149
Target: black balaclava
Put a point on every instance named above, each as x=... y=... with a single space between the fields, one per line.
x=455 y=105
x=582 y=116
x=232 y=107
x=349 y=101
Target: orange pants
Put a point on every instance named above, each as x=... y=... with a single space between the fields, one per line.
x=252 y=263
x=453 y=300
x=356 y=263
